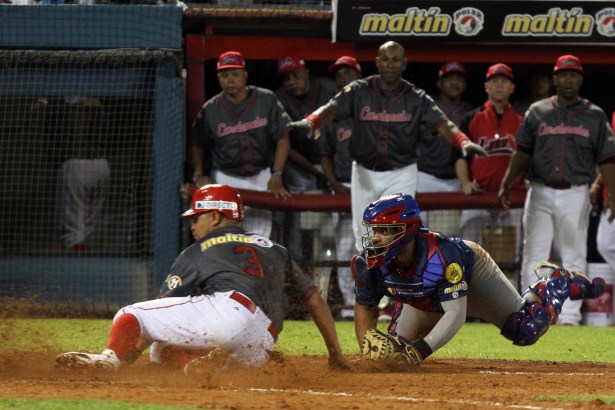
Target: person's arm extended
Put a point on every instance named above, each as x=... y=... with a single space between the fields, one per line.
x=449 y=324
x=449 y=131
x=518 y=164
x=324 y=321
x=607 y=170
x=365 y=318
x=275 y=184
x=319 y=118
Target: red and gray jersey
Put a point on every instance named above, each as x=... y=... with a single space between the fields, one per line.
x=436 y=153
x=229 y=259
x=565 y=143
x=240 y=139
x=335 y=144
x=321 y=91
x=496 y=134
x=387 y=127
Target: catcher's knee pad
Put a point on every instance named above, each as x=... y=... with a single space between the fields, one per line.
x=525 y=327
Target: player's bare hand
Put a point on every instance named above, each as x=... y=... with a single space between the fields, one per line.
x=470 y=187
x=595 y=191
x=340 y=189
x=504 y=197
x=276 y=187
x=202 y=180
x=469 y=148
x=338 y=361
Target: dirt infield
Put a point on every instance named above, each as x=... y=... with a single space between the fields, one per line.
x=304 y=382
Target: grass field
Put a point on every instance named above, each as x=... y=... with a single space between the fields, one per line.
x=474 y=341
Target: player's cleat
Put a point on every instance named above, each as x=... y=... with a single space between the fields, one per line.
x=217 y=359
x=581 y=287
x=107 y=360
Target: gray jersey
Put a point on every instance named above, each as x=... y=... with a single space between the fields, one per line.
x=565 y=142
x=232 y=259
x=435 y=152
x=335 y=144
x=297 y=179
x=387 y=127
x=240 y=139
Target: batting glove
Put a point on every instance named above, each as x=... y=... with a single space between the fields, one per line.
x=304 y=127
x=471 y=148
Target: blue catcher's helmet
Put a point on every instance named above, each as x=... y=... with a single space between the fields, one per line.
x=397 y=216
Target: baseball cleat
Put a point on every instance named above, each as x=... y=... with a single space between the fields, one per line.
x=581 y=287
x=107 y=360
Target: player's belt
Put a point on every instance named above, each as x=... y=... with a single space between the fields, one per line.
x=563 y=185
x=251 y=306
x=560 y=186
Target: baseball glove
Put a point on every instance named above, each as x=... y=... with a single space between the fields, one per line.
x=381 y=346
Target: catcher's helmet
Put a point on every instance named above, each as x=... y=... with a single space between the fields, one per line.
x=219 y=198
x=399 y=216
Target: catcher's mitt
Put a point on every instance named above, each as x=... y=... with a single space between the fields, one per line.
x=381 y=346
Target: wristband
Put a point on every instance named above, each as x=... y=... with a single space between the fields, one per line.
x=277 y=172
x=314 y=120
x=421 y=346
x=460 y=139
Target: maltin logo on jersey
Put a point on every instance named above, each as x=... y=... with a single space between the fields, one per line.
x=468 y=21
x=605 y=22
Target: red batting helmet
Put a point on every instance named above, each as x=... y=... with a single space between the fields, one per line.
x=218 y=198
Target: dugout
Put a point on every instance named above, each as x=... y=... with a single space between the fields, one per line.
x=264 y=35
x=89 y=85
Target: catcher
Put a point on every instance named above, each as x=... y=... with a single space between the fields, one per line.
x=437 y=282
x=225 y=296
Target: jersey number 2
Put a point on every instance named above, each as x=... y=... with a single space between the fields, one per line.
x=256 y=269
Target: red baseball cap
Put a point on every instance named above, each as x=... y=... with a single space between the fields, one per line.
x=568 y=62
x=231 y=59
x=500 y=69
x=452 y=67
x=345 y=61
x=290 y=64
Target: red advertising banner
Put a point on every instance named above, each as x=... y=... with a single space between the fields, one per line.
x=452 y=21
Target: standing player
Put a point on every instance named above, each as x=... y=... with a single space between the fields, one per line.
x=226 y=291
x=437 y=282
x=240 y=139
x=494 y=126
x=300 y=94
x=561 y=141
x=337 y=167
x=388 y=113
x=436 y=165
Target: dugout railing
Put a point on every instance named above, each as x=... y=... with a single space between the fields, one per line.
x=319 y=215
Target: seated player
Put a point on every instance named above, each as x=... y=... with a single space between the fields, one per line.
x=437 y=282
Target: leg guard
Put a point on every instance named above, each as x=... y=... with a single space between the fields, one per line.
x=525 y=327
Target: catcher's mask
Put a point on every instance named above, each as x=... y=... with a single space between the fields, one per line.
x=218 y=198
x=396 y=216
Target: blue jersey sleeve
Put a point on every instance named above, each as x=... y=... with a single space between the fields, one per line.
x=368 y=290
x=457 y=271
